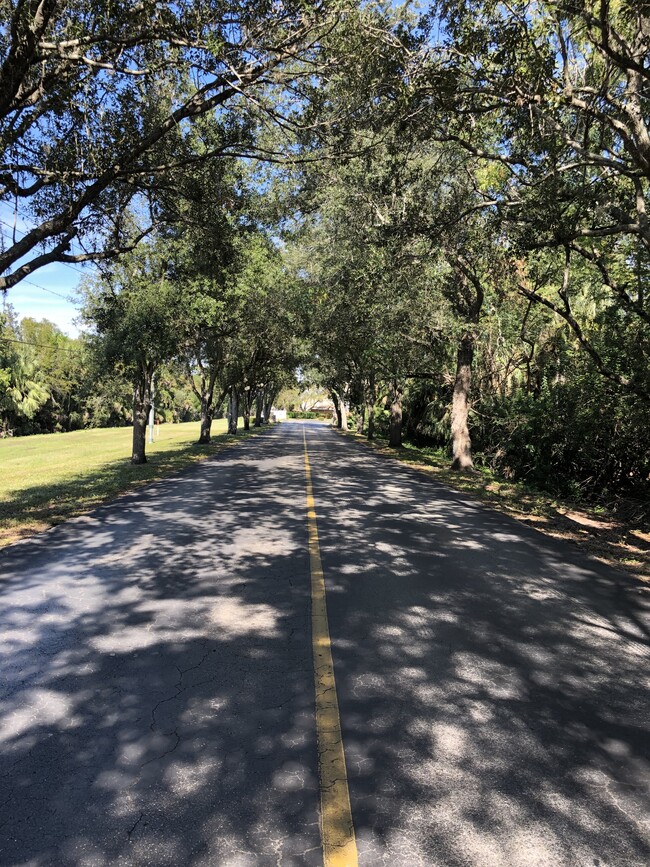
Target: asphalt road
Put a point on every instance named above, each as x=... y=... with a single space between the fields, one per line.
x=157 y=698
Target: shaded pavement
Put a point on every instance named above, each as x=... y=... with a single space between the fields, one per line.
x=494 y=690
x=157 y=687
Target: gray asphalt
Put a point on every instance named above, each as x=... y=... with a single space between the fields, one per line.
x=157 y=687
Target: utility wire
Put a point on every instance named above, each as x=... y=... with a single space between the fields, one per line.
x=44 y=345
x=28 y=217
x=51 y=291
x=68 y=298
x=72 y=243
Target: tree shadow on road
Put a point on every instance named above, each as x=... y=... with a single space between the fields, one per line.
x=493 y=682
x=34 y=509
x=158 y=686
x=620 y=536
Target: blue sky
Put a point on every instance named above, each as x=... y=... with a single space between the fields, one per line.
x=30 y=300
x=47 y=293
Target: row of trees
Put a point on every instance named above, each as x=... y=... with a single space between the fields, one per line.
x=444 y=215
x=208 y=353
x=203 y=307
x=228 y=324
x=483 y=268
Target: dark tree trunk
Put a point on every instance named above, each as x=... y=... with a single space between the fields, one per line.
x=461 y=443
x=395 y=429
x=138 y=455
x=141 y=410
x=268 y=406
x=371 y=421
x=247 y=402
x=205 y=394
x=233 y=411
x=343 y=411
x=337 y=410
x=259 y=407
x=371 y=400
x=206 y=420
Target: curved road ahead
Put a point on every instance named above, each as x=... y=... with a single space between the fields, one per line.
x=157 y=682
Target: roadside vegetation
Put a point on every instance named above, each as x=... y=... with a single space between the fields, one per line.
x=439 y=218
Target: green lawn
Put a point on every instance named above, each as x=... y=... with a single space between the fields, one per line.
x=48 y=478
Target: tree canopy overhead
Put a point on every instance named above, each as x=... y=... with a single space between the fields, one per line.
x=99 y=103
x=441 y=215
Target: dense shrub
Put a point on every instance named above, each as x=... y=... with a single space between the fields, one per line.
x=569 y=439
x=575 y=434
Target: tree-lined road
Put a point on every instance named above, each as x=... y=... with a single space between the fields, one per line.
x=158 y=688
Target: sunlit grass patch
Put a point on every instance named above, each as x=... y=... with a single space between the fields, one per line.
x=49 y=478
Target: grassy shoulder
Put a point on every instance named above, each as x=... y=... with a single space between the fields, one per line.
x=46 y=479
x=602 y=535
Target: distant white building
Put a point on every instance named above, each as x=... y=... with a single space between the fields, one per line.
x=278 y=415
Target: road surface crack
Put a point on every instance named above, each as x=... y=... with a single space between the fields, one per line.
x=167 y=752
x=137 y=822
x=179 y=686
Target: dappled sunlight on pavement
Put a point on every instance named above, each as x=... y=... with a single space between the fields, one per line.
x=158 y=692
x=493 y=683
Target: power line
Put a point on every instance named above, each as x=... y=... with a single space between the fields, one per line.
x=68 y=298
x=72 y=242
x=38 y=286
x=51 y=291
x=73 y=267
x=44 y=345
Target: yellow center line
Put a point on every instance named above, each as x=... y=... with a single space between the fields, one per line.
x=337 y=830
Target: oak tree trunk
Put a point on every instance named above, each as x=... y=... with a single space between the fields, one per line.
x=395 y=429
x=246 y=404
x=371 y=421
x=361 y=416
x=268 y=406
x=259 y=407
x=206 y=420
x=141 y=410
x=344 y=414
x=371 y=400
x=233 y=411
x=460 y=439
x=337 y=410
x=204 y=391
